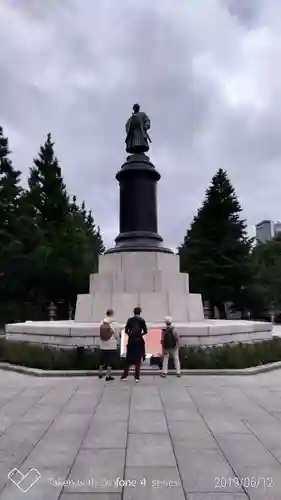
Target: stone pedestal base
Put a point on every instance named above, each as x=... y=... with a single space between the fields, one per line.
x=149 y=279
x=203 y=333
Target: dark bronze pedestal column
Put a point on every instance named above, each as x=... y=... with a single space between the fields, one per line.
x=138 y=207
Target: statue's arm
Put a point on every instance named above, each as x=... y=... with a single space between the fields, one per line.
x=128 y=123
x=146 y=122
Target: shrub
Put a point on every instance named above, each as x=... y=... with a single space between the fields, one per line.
x=227 y=356
x=230 y=356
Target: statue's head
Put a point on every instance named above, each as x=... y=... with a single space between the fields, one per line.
x=136 y=108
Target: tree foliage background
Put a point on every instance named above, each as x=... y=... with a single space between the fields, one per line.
x=49 y=243
x=221 y=260
x=267 y=261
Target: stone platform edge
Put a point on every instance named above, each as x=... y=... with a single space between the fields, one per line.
x=36 y=372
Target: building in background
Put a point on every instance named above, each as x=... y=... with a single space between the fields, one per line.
x=266 y=230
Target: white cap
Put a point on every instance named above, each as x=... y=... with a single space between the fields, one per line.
x=168 y=320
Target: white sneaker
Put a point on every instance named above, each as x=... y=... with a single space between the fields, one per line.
x=137 y=379
x=123 y=378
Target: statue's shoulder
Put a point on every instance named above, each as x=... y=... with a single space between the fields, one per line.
x=142 y=114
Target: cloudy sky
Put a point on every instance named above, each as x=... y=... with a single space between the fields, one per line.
x=207 y=72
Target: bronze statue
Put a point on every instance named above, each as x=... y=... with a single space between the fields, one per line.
x=137 y=138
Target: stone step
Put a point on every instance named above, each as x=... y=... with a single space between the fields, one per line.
x=155 y=306
x=139 y=280
x=130 y=261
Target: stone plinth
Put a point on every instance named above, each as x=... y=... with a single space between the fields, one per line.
x=204 y=333
x=149 y=279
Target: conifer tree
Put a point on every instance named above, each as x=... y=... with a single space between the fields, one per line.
x=47 y=191
x=49 y=244
x=69 y=242
x=10 y=224
x=216 y=249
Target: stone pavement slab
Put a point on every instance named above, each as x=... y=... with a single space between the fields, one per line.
x=202 y=470
x=217 y=496
x=91 y=496
x=98 y=470
x=104 y=434
x=143 y=402
x=155 y=483
x=223 y=424
x=150 y=450
x=182 y=414
x=245 y=450
x=258 y=480
x=268 y=435
x=194 y=438
x=112 y=412
x=153 y=422
x=192 y=435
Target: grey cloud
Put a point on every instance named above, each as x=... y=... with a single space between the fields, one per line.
x=75 y=69
x=247 y=11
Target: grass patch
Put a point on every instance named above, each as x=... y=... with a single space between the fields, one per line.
x=228 y=356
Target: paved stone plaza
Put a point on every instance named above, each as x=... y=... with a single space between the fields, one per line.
x=173 y=439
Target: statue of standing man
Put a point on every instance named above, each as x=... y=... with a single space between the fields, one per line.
x=137 y=138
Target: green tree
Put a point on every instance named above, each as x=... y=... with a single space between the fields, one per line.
x=68 y=243
x=47 y=192
x=216 y=249
x=82 y=243
x=11 y=249
x=49 y=244
x=46 y=205
x=267 y=261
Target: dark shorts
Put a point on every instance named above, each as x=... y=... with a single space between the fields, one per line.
x=107 y=357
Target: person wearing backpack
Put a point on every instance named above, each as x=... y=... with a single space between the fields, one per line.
x=135 y=329
x=109 y=338
x=170 y=345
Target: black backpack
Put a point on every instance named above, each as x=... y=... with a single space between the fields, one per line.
x=169 y=341
x=135 y=333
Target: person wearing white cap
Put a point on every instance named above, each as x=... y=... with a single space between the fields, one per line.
x=170 y=345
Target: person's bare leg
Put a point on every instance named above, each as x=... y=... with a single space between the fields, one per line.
x=177 y=361
x=165 y=364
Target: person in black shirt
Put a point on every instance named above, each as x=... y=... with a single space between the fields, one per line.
x=135 y=329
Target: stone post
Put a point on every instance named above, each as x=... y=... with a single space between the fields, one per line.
x=52 y=309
